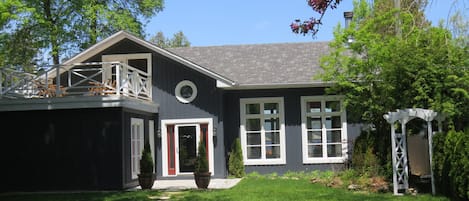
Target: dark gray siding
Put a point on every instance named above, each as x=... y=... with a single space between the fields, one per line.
x=166 y=75
x=61 y=150
x=292 y=102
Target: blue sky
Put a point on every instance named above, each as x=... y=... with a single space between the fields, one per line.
x=216 y=22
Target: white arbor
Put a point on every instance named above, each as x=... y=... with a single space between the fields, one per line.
x=399 y=145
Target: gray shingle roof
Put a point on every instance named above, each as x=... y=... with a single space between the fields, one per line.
x=260 y=64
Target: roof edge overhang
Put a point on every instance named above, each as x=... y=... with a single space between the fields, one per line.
x=279 y=85
x=121 y=35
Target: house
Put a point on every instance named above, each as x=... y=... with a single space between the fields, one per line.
x=82 y=125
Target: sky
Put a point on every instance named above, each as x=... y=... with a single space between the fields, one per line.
x=218 y=22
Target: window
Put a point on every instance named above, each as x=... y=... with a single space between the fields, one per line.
x=324 y=129
x=262 y=131
x=136 y=145
x=186 y=91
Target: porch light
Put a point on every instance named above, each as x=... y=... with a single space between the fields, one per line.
x=158 y=133
x=214 y=131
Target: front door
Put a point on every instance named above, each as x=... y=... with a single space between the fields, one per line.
x=187 y=147
x=181 y=144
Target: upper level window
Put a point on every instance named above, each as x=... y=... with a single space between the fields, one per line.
x=324 y=129
x=262 y=131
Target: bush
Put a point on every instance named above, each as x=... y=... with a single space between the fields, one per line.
x=201 y=161
x=364 y=159
x=146 y=162
x=451 y=164
x=235 y=162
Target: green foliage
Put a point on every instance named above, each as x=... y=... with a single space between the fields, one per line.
x=451 y=163
x=235 y=162
x=364 y=160
x=57 y=29
x=201 y=161
x=146 y=162
x=389 y=67
x=430 y=72
x=178 y=40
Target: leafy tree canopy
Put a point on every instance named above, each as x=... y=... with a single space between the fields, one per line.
x=34 y=31
x=398 y=60
x=178 y=40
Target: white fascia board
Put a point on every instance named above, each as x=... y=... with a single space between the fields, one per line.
x=278 y=86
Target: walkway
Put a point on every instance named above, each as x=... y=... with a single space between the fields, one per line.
x=177 y=185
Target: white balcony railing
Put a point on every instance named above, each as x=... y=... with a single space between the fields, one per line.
x=82 y=79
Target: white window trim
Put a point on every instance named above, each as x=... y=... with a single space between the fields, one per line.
x=164 y=140
x=304 y=131
x=177 y=91
x=151 y=138
x=136 y=122
x=263 y=161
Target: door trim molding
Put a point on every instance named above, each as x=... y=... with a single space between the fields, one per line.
x=164 y=145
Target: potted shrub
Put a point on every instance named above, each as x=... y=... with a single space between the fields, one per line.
x=201 y=172
x=146 y=177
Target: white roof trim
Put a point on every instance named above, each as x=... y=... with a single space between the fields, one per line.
x=111 y=40
x=279 y=86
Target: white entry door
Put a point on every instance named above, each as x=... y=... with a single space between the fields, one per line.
x=180 y=140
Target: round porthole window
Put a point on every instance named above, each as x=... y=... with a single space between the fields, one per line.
x=186 y=91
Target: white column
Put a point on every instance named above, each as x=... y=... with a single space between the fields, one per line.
x=394 y=159
x=405 y=165
x=430 y=152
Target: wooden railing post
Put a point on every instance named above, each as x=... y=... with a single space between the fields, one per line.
x=1 y=83
x=57 y=80
x=118 y=78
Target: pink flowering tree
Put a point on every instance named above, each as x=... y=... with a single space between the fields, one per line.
x=311 y=26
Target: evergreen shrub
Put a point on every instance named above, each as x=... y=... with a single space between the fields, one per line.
x=201 y=163
x=146 y=162
x=235 y=161
x=451 y=164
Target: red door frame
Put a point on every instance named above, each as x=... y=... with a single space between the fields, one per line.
x=171 y=150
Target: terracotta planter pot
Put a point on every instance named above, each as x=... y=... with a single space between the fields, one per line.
x=202 y=179
x=146 y=180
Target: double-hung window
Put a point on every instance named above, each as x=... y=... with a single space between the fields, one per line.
x=324 y=129
x=262 y=131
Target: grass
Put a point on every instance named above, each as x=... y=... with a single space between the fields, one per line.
x=260 y=189
x=84 y=196
x=254 y=188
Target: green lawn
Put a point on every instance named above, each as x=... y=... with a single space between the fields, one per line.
x=95 y=196
x=257 y=189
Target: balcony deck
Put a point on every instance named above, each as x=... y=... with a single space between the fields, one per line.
x=82 y=85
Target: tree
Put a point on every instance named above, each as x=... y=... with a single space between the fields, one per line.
x=178 y=40
x=384 y=69
x=61 y=28
x=101 y=18
x=311 y=26
x=159 y=40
